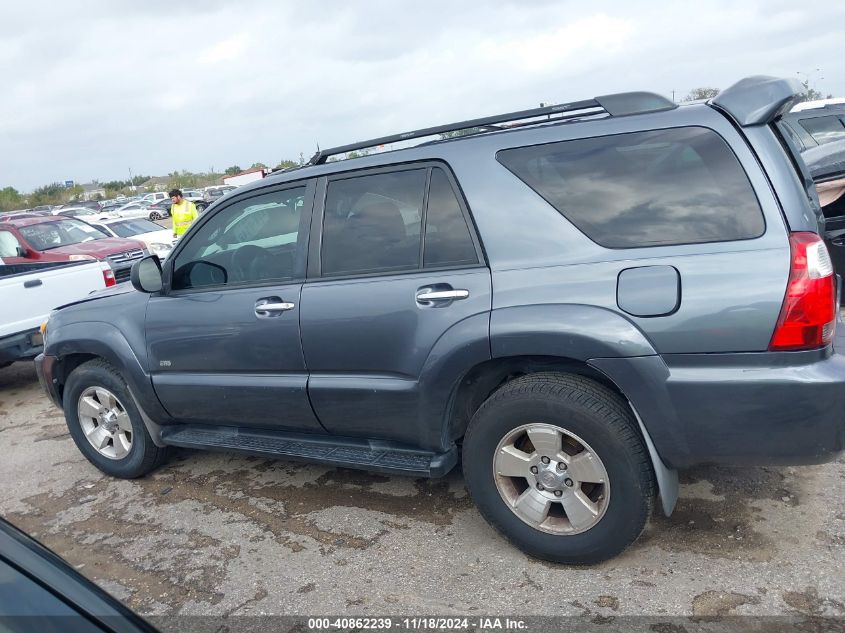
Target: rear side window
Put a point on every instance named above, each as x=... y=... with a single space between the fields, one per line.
x=824 y=129
x=657 y=188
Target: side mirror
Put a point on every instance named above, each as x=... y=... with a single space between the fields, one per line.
x=146 y=274
x=21 y=251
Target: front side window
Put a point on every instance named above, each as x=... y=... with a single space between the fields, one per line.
x=657 y=188
x=825 y=129
x=372 y=223
x=252 y=241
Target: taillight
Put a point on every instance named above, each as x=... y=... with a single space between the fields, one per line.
x=808 y=316
x=108 y=275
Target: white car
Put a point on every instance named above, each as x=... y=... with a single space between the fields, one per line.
x=159 y=240
x=136 y=209
x=85 y=213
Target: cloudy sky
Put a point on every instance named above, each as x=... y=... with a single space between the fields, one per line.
x=91 y=89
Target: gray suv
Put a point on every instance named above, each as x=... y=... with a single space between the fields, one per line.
x=576 y=301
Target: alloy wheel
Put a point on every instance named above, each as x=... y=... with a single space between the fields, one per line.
x=551 y=479
x=105 y=422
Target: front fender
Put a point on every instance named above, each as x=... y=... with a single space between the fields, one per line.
x=571 y=331
x=107 y=342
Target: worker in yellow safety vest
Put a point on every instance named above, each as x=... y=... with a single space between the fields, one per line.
x=183 y=212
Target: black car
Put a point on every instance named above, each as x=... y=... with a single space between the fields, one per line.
x=39 y=591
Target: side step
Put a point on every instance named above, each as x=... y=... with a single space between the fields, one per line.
x=371 y=455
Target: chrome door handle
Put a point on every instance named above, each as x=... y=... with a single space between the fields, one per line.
x=442 y=295
x=267 y=308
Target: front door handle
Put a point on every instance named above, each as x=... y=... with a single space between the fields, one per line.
x=271 y=306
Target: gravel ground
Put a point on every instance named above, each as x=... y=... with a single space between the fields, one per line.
x=222 y=534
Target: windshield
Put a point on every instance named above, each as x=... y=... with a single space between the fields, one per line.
x=128 y=228
x=49 y=235
x=77 y=212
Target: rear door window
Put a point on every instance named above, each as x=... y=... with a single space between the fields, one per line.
x=372 y=223
x=655 y=188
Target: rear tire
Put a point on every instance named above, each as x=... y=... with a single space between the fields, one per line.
x=106 y=425
x=599 y=486
x=155 y=215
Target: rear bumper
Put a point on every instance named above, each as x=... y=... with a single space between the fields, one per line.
x=20 y=346
x=756 y=408
x=45 y=368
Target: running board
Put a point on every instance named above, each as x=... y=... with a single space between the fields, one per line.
x=371 y=455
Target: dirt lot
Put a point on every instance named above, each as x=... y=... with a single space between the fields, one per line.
x=224 y=534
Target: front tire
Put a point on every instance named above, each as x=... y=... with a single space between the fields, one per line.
x=105 y=424
x=555 y=462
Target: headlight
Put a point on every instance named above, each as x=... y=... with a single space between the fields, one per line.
x=81 y=258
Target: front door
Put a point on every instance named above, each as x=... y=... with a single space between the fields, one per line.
x=223 y=337
x=398 y=272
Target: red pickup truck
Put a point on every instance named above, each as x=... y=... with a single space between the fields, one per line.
x=30 y=239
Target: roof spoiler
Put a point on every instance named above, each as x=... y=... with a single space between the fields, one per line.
x=758 y=100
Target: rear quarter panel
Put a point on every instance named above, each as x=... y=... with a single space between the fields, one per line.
x=731 y=292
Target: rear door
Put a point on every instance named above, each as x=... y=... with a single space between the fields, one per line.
x=395 y=268
x=223 y=338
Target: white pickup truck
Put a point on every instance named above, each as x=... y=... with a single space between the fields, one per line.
x=29 y=292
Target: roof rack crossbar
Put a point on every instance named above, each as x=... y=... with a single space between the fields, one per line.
x=589 y=104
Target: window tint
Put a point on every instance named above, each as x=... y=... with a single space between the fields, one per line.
x=824 y=129
x=372 y=223
x=678 y=186
x=254 y=240
x=447 y=237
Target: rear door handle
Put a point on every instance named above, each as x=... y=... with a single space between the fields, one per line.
x=271 y=306
x=32 y=283
x=433 y=296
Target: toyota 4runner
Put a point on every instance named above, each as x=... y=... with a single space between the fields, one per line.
x=576 y=301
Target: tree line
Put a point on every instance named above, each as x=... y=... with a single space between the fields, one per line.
x=56 y=193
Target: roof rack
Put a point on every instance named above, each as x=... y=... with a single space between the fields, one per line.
x=621 y=104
